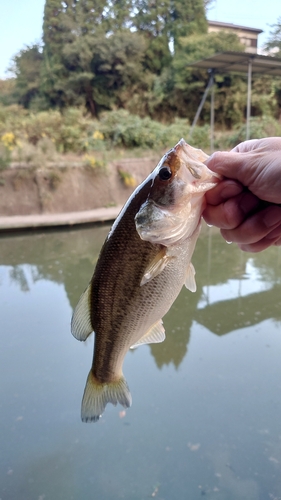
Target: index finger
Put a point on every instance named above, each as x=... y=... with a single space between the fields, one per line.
x=225 y=189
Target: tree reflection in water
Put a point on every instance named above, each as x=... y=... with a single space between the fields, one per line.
x=234 y=289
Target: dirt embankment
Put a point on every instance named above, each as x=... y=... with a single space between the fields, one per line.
x=26 y=191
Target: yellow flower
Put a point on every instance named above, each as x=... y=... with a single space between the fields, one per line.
x=9 y=140
x=98 y=135
x=130 y=181
x=127 y=178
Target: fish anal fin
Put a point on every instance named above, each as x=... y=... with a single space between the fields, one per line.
x=156 y=266
x=190 y=282
x=154 y=335
x=97 y=395
x=81 y=326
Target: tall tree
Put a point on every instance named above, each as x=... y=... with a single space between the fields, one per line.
x=98 y=51
x=180 y=87
x=26 y=66
x=57 y=22
x=90 y=53
x=187 y=18
x=100 y=68
x=165 y=22
x=273 y=43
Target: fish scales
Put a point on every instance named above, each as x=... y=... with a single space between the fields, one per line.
x=114 y=292
x=142 y=267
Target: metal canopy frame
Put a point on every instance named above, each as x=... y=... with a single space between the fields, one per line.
x=234 y=62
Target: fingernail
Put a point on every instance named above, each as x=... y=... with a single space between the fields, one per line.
x=272 y=216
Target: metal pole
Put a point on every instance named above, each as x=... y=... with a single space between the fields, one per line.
x=212 y=112
x=210 y=83
x=249 y=99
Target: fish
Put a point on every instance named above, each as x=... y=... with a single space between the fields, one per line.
x=142 y=267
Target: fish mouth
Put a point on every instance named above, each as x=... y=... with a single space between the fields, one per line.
x=175 y=205
x=193 y=171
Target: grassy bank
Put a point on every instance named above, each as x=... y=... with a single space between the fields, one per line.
x=73 y=136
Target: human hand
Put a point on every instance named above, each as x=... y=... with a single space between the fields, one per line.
x=244 y=203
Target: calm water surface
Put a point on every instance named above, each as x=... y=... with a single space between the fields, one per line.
x=206 y=413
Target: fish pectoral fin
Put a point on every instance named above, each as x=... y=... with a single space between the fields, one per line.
x=154 y=335
x=97 y=395
x=81 y=326
x=156 y=266
x=190 y=282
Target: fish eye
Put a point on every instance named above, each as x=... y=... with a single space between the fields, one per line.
x=165 y=173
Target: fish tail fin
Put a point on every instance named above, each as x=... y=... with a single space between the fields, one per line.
x=97 y=395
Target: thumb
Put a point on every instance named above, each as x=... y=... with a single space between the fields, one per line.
x=231 y=165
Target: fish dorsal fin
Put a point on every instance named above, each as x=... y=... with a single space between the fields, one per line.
x=154 y=335
x=81 y=326
x=156 y=266
x=190 y=282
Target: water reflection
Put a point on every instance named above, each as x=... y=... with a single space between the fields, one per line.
x=205 y=424
x=234 y=289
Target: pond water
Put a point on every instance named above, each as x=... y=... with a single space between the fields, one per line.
x=206 y=413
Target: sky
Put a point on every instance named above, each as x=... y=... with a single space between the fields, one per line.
x=21 y=22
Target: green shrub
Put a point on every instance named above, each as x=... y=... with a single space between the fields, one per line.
x=36 y=137
x=201 y=137
x=130 y=131
x=122 y=129
x=259 y=127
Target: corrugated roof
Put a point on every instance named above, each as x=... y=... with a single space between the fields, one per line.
x=226 y=62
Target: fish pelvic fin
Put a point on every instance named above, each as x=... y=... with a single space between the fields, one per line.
x=97 y=395
x=156 y=266
x=81 y=326
x=190 y=282
x=154 y=335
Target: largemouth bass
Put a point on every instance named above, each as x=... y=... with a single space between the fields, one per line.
x=142 y=266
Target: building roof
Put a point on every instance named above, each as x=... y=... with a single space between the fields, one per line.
x=234 y=26
x=226 y=62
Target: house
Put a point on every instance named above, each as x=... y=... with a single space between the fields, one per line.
x=247 y=36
